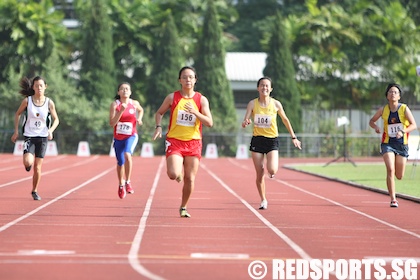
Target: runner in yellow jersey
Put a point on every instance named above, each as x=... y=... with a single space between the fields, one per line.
x=189 y=110
x=398 y=123
x=265 y=141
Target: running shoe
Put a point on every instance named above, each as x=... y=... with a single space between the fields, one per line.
x=28 y=168
x=394 y=203
x=128 y=188
x=121 y=192
x=36 y=196
x=183 y=213
x=263 y=205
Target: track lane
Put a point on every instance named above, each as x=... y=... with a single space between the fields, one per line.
x=90 y=222
x=91 y=232
x=335 y=220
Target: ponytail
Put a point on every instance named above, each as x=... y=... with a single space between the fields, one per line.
x=26 y=87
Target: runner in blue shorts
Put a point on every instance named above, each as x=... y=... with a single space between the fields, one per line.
x=398 y=122
x=124 y=115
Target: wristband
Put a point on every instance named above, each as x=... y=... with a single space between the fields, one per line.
x=158 y=126
x=293 y=138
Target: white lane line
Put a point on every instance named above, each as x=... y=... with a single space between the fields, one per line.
x=44 y=252
x=350 y=209
x=279 y=233
x=12 y=223
x=346 y=207
x=50 y=172
x=135 y=246
x=21 y=165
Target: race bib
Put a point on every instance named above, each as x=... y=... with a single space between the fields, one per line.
x=394 y=128
x=262 y=121
x=125 y=128
x=185 y=119
x=36 y=125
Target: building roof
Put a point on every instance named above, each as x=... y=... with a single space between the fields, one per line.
x=245 y=66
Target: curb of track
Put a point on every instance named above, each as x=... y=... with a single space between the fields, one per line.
x=399 y=195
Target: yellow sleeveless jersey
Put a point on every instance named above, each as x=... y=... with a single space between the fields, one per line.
x=183 y=125
x=265 y=119
x=393 y=122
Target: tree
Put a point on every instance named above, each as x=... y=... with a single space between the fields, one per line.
x=347 y=52
x=78 y=118
x=252 y=14
x=280 y=69
x=30 y=31
x=188 y=17
x=97 y=73
x=212 y=78
x=166 y=64
x=133 y=25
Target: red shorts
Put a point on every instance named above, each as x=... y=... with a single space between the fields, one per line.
x=191 y=148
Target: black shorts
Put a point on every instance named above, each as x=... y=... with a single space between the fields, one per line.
x=35 y=145
x=263 y=145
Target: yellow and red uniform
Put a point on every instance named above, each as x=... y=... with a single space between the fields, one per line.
x=185 y=130
x=183 y=125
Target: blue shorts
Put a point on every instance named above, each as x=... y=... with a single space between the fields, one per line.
x=396 y=148
x=125 y=146
x=264 y=145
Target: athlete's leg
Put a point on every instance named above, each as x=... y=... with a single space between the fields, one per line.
x=258 y=160
x=389 y=159
x=272 y=162
x=400 y=163
x=190 y=171
x=36 y=178
x=174 y=166
x=28 y=161
x=128 y=166
x=129 y=150
x=119 y=154
x=28 y=154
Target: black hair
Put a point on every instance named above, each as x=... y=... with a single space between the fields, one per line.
x=393 y=85
x=117 y=96
x=26 y=85
x=265 y=78
x=187 y=67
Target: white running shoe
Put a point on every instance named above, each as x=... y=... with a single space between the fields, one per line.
x=263 y=205
x=394 y=203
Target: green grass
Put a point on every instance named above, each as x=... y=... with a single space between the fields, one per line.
x=371 y=175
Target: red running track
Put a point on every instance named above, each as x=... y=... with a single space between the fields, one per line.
x=82 y=230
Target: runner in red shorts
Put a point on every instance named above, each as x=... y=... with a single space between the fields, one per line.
x=189 y=110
